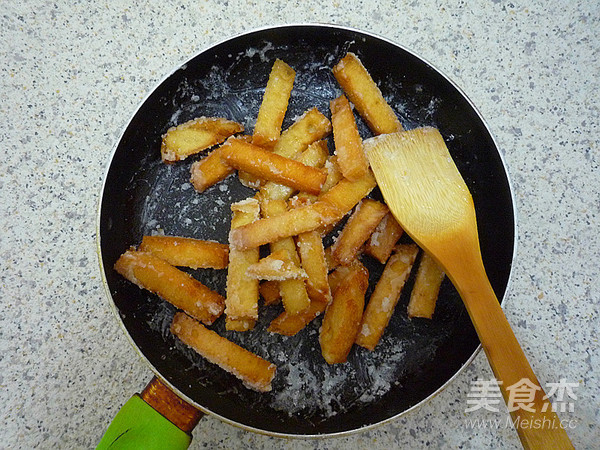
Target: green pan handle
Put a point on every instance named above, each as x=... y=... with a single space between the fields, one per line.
x=158 y=419
x=138 y=425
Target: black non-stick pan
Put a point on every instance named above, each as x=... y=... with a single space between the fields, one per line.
x=142 y=195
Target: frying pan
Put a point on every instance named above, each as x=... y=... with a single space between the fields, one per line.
x=141 y=195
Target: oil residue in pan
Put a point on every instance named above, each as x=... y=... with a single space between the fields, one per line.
x=305 y=386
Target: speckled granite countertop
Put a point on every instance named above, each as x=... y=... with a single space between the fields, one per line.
x=72 y=76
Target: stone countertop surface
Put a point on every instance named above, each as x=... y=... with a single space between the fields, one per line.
x=73 y=74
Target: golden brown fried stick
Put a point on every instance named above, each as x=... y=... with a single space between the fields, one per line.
x=290 y=324
x=384 y=238
x=274 y=104
x=171 y=284
x=348 y=144
x=270 y=166
x=312 y=256
x=196 y=135
x=385 y=296
x=314 y=156
x=341 y=322
x=271 y=114
x=425 y=291
x=187 y=252
x=365 y=95
x=357 y=230
x=254 y=371
x=242 y=292
x=310 y=127
x=209 y=171
x=212 y=169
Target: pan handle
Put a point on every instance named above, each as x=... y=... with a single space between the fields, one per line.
x=156 y=419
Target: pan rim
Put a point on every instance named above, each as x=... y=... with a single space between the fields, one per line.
x=113 y=306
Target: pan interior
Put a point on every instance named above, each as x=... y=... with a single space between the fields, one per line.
x=144 y=196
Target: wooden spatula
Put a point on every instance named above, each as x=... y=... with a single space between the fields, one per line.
x=427 y=195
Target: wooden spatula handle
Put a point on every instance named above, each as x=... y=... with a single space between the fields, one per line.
x=537 y=425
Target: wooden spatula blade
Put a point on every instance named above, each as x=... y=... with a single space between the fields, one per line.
x=420 y=181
